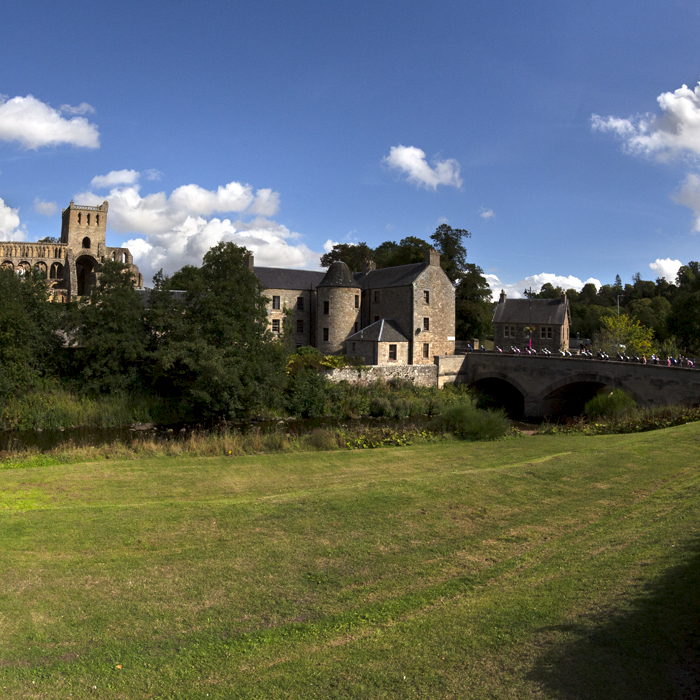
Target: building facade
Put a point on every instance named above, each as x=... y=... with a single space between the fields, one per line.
x=328 y=310
x=536 y=323
x=71 y=266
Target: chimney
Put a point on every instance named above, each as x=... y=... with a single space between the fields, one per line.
x=432 y=257
x=369 y=266
x=251 y=261
x=502 y=298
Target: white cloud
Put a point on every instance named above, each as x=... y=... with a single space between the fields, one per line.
x=34 y=124
x=10 y=229
x=412 y=162
x=115 y=177
x=329 y=245
x=45 y=208
x=153 y=174
x=487 y=213
x=516 y=289
x=82 y=108
x=666 y=268
x=689 y=196
x=178 y=229
x=675 y=132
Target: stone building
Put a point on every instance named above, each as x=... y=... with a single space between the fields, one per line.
x=545 y=322
x=327 y=310
x=72 y=265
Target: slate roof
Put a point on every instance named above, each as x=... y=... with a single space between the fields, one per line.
x=283 y=278
x=338 y=275
x=385 y=330
x=399 y=276
x=540 y=312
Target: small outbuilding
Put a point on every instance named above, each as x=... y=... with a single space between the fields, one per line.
x=381 y=343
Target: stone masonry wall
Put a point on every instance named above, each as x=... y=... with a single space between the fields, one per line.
x=421 y=375
x=441 y=314
x=288 y=300
x=340 y=320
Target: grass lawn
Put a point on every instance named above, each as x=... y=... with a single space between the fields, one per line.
x=546 y=567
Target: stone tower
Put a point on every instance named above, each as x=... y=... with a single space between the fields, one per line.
x=338 y=308
x=84 y=228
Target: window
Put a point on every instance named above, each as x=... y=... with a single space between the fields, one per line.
x=509 y=331
x=325 y=334
x=426 y=296
x=357 y=327
x=426 y=324
x=392 y=352
x=88 y=219
x=376 y=295
x=546 y=332
x=353 y=347
x=357 y=301
x=97 y=219
x=276 y=325
x=80 y=216
x=300 y=326
x=300 y=303
x=326 y=308
x=275 y=302
x=86 y=242
x=426 y=349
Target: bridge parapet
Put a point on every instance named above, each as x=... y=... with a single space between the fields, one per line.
x=542 y=380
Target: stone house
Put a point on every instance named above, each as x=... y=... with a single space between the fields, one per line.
x=71 y=266
x=417 y=303
x=545 y=322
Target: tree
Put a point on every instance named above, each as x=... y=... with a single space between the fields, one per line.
x=353 y=255
x=213 y=354
x=618 y=331
x=111 y=334
x=474 y=309
x=684 y=320
x=453 y=255
x=29 y=339
x=409 y=250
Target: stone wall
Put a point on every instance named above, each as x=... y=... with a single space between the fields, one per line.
x=288 y=301
x=440 y=310
x=421 y=375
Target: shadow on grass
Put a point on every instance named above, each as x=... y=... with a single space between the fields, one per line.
x=650 y=651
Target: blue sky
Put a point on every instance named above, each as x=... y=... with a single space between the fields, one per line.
x=286 y=127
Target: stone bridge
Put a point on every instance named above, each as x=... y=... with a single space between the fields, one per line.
x=537 y=386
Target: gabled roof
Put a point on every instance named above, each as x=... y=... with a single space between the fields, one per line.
x=537 y=311
x=385 y=330
x=283 y=278
x=399 y=276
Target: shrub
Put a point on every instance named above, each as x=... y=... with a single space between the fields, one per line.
x=617 y=404
x=467 y=422
x=305 y=393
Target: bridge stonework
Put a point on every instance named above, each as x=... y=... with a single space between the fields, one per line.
x=541 y=380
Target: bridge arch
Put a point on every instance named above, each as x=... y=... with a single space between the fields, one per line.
x=567 y=396
x=499 y=390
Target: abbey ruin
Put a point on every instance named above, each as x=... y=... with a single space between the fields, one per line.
x=71 y=266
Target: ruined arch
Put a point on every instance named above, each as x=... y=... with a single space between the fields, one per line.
x=56 y=271
x=86 y=269
x=24 y=268
x=8 y=265
x=41 y=269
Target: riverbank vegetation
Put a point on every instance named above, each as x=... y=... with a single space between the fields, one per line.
x=548 y=567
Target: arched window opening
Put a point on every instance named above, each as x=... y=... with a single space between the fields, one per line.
x=86 y=243
x=80 y=218
x=88 y=219
x=7 y=265
x=56 y=271
x=41 y=269
x=97 y=219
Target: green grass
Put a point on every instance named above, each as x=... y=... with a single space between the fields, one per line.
x=547 y=567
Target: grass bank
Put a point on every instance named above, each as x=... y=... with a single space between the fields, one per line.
x=548 y=567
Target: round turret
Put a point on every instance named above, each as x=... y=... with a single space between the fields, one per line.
x=338 y=298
